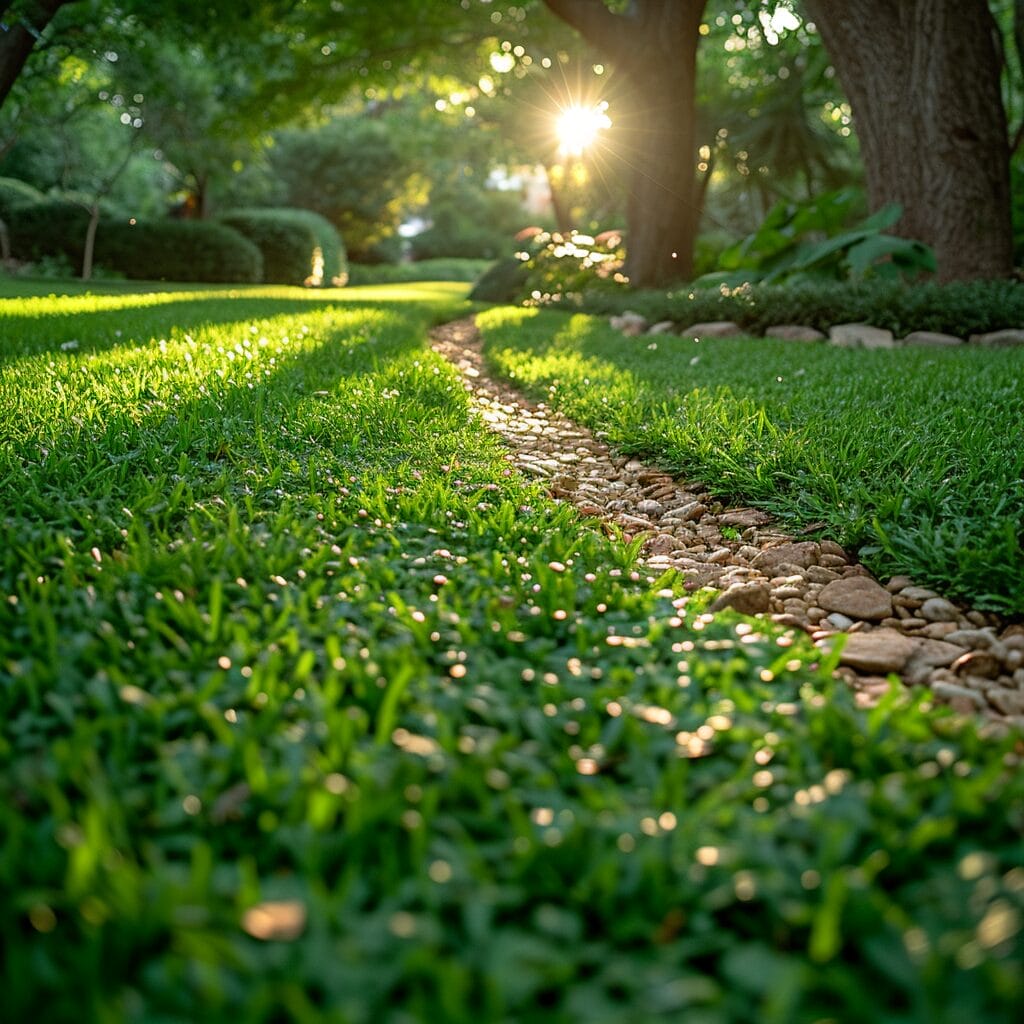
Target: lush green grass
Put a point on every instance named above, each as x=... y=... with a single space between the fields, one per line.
x=281 y=638
x=914 y=456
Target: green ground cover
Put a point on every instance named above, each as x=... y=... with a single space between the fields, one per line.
x=310 y=710
x=914 y=456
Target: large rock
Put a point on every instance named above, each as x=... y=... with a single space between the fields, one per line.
x=879 y=652
x=927 y=656
x=860 y=336
x=803 y=553
x=713 y=329
x=794 y=332
x=933 y=338
x=999 y=339
x=857 y=596
x=888 y=650
x=747 y=599
x=662 y=327
x=938 y=609
x=631 y=324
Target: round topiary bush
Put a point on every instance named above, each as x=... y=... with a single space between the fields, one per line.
x=298 y=246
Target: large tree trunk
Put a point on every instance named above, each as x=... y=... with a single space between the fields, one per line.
x=19 y=37
x=653 y=45
x=922 y=77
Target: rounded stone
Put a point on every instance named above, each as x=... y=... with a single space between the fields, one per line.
x=858 y=597
x=938 y=609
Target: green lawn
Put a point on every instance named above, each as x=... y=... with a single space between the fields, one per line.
x=913 y=456
x=311 y=711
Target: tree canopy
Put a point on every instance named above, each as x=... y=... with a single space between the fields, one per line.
x=716 y=109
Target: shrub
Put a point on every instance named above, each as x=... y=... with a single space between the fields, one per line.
x=332 y=246
x=789 y=245
x=48 y=227
x=468 y=221
x=961 y=308
x=298 y=246
x=154 y=250
x=179 y=251
x=425 y=270
x=504 y=282
x=15 y=193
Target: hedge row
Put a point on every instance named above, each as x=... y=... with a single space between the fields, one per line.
x=247 y=246
x=960 y=308
x=156 y=250
x=298 y=246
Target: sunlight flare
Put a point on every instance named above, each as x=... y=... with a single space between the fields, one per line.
x=578 y=127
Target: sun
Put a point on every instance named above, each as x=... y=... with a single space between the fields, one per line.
x=578 y=127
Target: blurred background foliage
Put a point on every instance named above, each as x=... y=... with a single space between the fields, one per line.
x=421 y=136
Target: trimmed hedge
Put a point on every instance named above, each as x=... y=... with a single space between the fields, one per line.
x=153 y=250
x=179 y=251
x=49 y=227
x=298 y=246
x=332 y=245
x=961 y=308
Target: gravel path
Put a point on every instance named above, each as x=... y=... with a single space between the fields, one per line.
x=971 y=660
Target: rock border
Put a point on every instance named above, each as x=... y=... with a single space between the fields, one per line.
x=970 y=659
x=853 y=335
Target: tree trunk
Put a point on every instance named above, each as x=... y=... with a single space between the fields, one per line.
x=90 y=241
x=562 y=218
x=922 y=77
x=653 y=45
x=18 y=39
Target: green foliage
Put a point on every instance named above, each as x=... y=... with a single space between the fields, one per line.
x=504 y=282
x=14 y=193
x=289 y=247
x=453 y=269
x=469 y=222
x=312 y=712
x=49 y=227
x=564 y=267
x=351 y=171
x=154 y=250
x=179 y=251
x=960 y=308
x=809 y=241
x=331 y=244
x=913 y=455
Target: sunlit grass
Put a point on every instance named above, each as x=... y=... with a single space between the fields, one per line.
x=913 y=456
x=312 y=710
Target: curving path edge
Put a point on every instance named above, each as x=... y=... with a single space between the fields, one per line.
x=971 y=660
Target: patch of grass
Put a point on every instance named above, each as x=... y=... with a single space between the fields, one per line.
x=914 y=456
x=311 y=710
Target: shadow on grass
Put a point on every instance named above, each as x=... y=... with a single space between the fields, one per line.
x=117 y=324
x=230 y=441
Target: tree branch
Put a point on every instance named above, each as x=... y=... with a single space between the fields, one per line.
x=18 y=39
x=598 y=26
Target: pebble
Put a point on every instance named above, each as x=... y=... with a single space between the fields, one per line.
x=970 y=659
x=937 y=609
